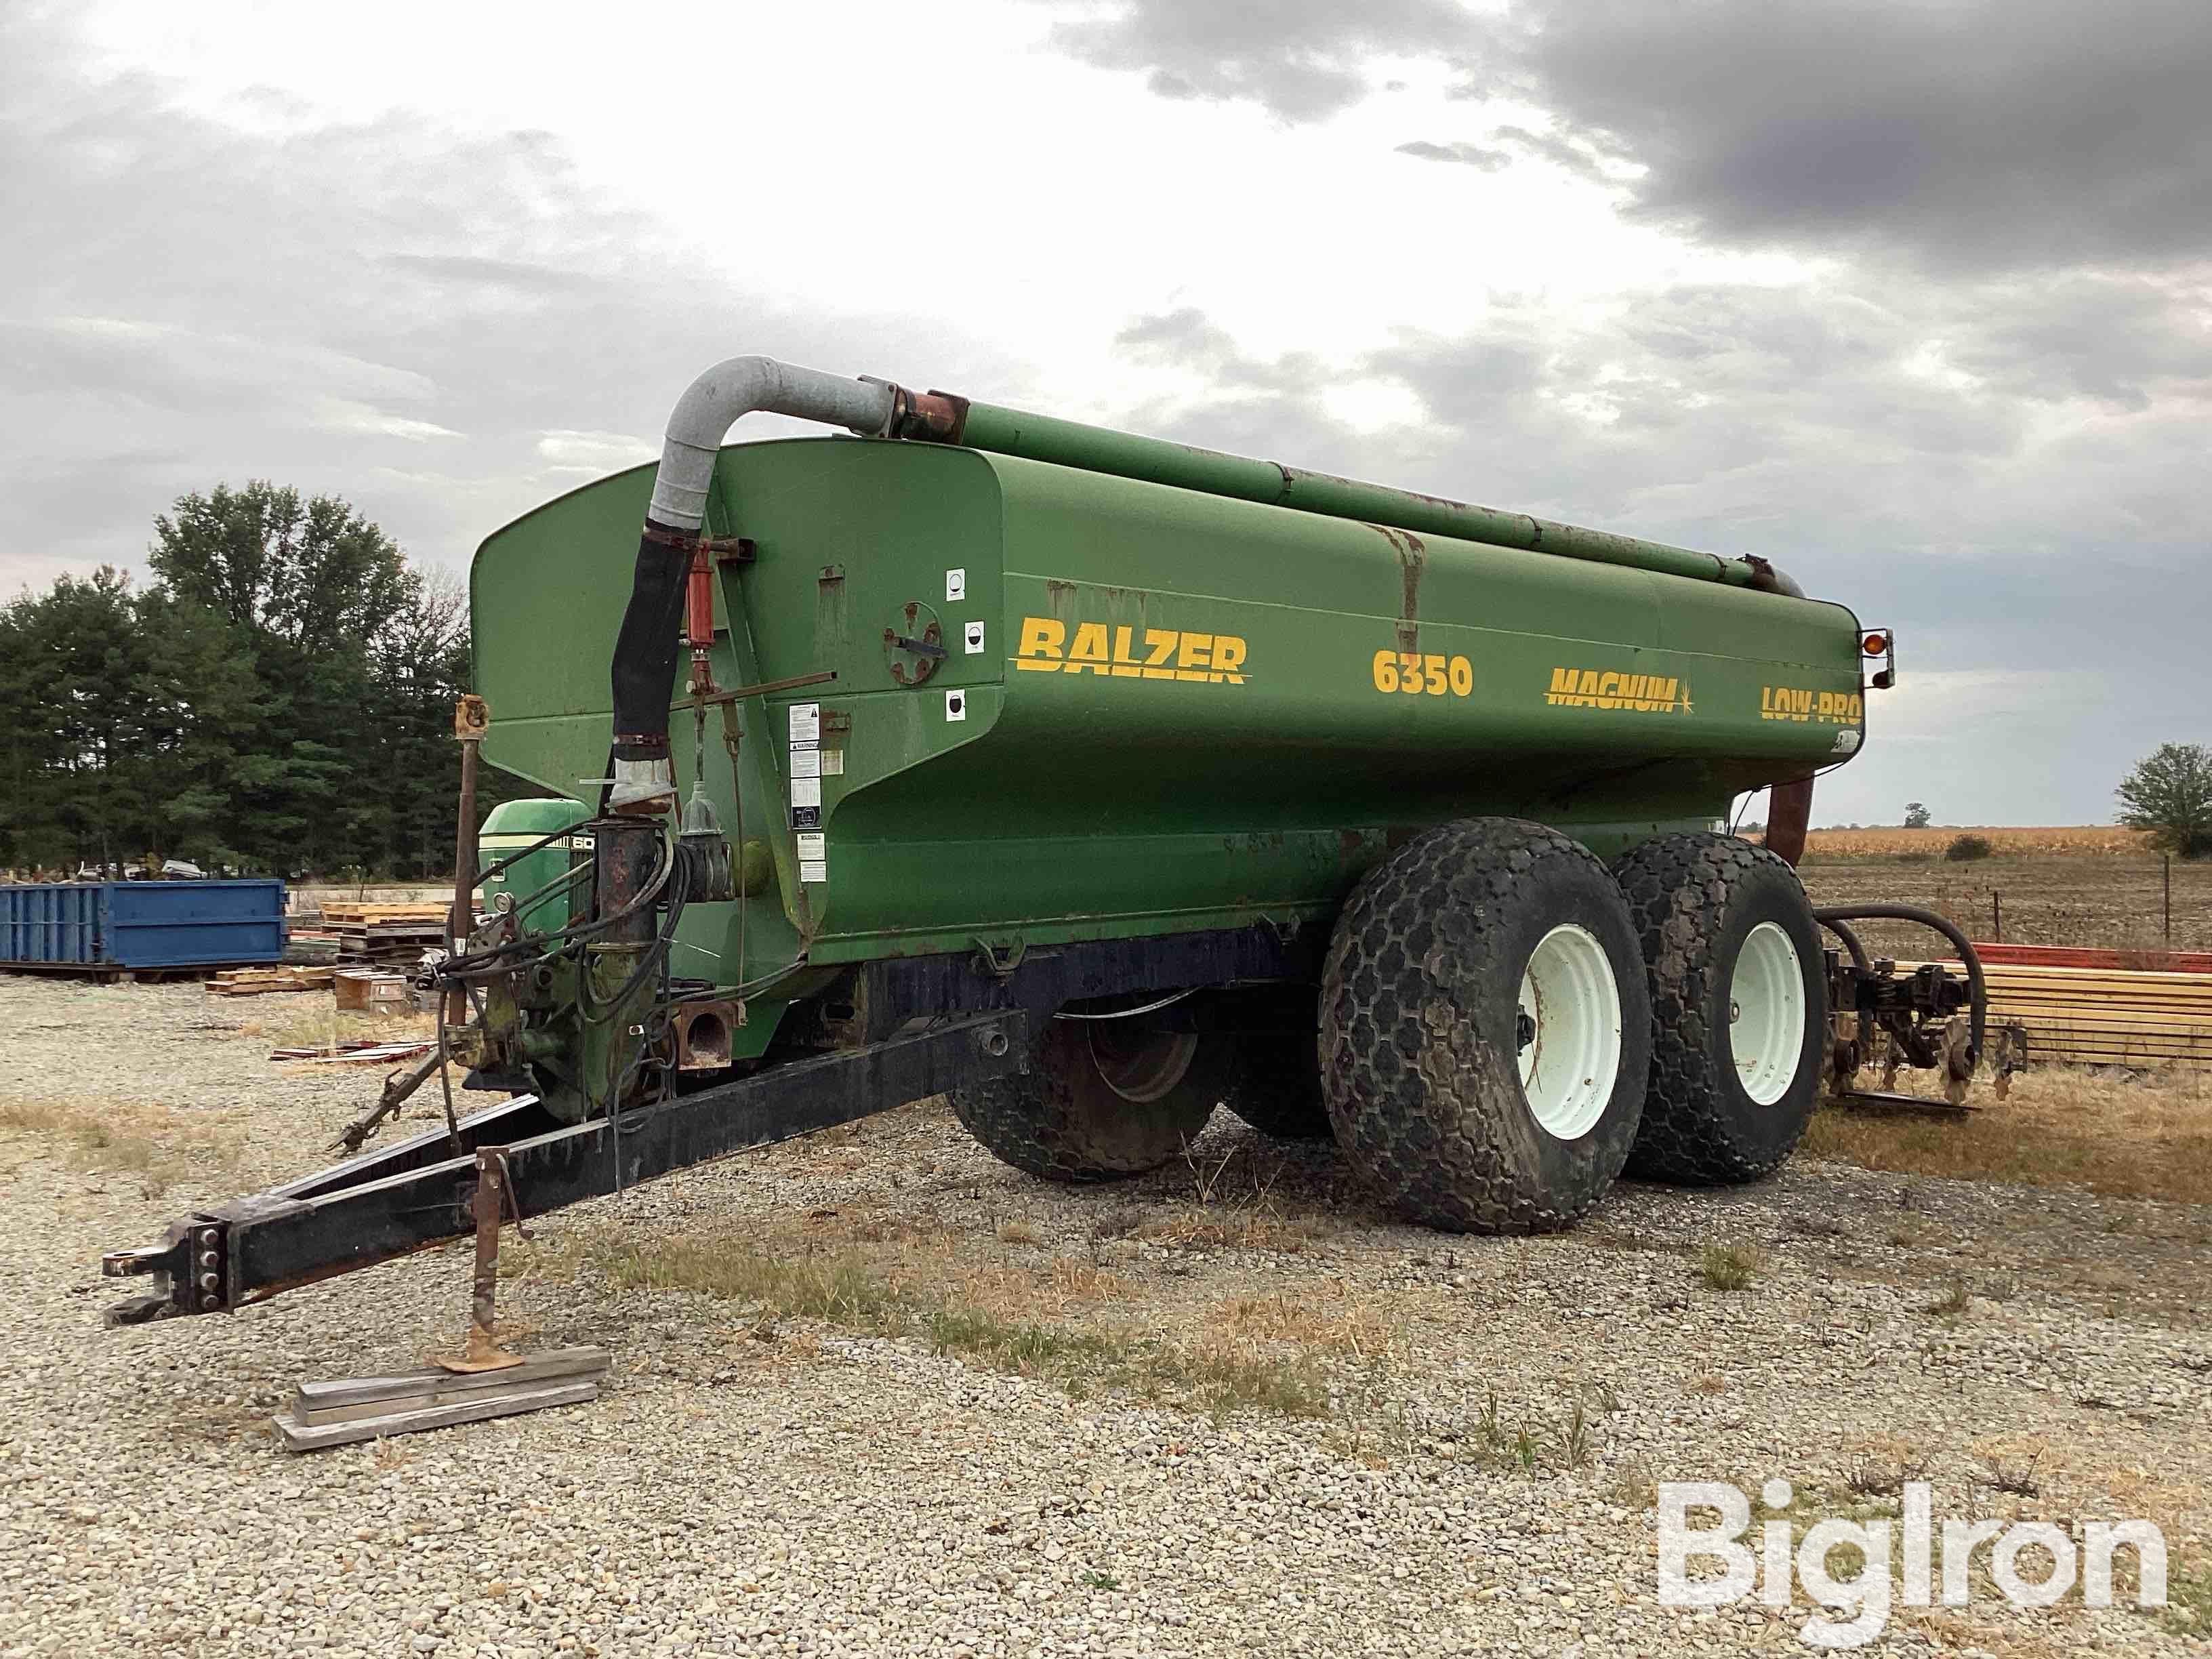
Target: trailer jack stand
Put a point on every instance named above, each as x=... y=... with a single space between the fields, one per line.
x=495 y=1188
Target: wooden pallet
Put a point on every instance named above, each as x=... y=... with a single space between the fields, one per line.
x=343 y=911
x=371 y=1407
x=388 y=944
x=257 y=982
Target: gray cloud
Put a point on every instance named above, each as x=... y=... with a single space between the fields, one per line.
x=1981 y=420
x=2124 y=340
x=1189 y=340
x=420 y=321
x=1299 y=59
x=1465 y=154
x=1580 y=153
x=2048 y=583
x=2001 y=457
x=1980 y=134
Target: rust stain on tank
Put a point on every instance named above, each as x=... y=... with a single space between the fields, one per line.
x=1412 y=554
x=1059 y=599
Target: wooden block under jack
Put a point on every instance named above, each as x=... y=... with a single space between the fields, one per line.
x=338 y=1412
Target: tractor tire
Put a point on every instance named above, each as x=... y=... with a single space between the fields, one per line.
x=1275 y=1086
x=1486 y=1029
x=1739 y=1008
x=1098 y=1102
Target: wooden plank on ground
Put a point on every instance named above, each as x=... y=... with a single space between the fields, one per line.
x=345 y=1398
x=471 y=1408
x=254 y=981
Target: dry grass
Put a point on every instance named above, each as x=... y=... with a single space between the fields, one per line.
x=2062 y=1128
x=325 y=1027
x=1341 y=1326
x=1233 y=1205
x=1218 y=1373
x=1036 y=1321
x=1882 y=1467
x=1204 y=1227
x=137 y=1137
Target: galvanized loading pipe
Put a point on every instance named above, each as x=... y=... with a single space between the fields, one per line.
x=646 y=648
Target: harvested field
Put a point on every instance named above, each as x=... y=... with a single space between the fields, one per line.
x=2113 y=899
x=874 y=1391
x=2009 y=841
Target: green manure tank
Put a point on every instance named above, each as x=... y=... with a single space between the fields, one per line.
x=995 y=709
x=1101 y=786
x=1154 y=711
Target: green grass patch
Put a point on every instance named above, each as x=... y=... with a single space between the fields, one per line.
x=1726 y=1267
x=2189 y=1598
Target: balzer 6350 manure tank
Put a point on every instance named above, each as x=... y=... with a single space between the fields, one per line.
x=1097 y=782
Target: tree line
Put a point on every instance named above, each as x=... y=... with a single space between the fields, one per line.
x=277 y=699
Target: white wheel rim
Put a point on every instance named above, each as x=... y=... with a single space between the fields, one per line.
x=1570 y=1010
x=1766 y=1013
x=1143 y=1070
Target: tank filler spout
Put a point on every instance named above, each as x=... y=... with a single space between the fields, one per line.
x=644 y=666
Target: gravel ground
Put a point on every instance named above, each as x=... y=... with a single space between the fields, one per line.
x=826 y=1491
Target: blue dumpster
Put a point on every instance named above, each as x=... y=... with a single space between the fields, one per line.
x=141 y=924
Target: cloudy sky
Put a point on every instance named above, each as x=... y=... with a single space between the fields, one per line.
x=1914 y=297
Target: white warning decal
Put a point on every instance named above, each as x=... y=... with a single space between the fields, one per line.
x=806 y=762
x=813 y=855
x=806 y=791
x=1847 y=741
x=805 y=722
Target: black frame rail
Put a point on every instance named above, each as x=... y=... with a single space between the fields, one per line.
x=419 y=1192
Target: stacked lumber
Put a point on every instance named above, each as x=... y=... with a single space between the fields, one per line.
x=385 y=935
x=2083 y=956
x=255 y=981
x=2103 y=1016
x=371 y=1407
